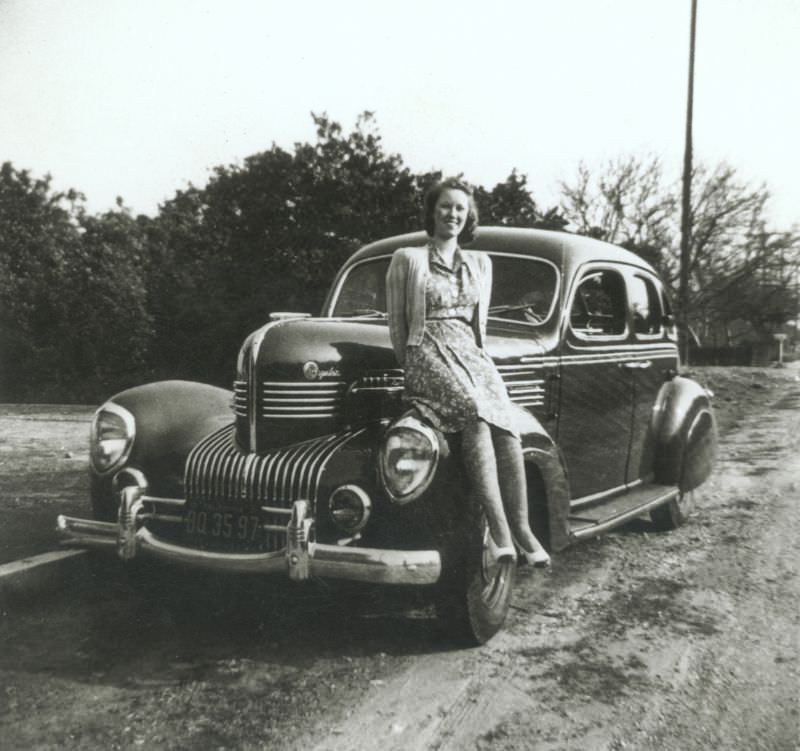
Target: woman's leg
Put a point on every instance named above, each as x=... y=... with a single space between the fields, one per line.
x=481 y=470
x=513 y=487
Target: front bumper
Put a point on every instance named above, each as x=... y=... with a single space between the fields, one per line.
x=301 y=559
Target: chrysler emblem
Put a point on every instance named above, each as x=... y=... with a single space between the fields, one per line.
x=311 y=371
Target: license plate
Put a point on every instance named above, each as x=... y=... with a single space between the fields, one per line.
x=223 y=525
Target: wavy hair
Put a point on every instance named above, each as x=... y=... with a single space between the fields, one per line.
x=467 y=234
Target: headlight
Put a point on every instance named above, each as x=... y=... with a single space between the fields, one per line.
x=408 y=459
x=112 y=432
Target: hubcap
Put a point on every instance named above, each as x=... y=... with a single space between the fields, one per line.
x=494 y=573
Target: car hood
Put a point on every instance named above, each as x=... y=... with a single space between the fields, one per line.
x=337 y=348
x=343 y=348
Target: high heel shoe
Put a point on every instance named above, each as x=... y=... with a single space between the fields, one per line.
x=501 y=555
x=538 y=558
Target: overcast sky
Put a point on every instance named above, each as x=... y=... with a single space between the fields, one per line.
x=137 y=98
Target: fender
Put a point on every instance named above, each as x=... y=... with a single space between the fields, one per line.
x=686 y=434
x=171 y=417
x=543 y=455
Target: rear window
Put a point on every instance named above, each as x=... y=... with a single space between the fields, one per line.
x=645 y=307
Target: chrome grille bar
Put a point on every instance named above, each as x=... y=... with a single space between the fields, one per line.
x=218 y=472
x=291 y=399
x=522 y=389
x=240 y=398
x=526 y=390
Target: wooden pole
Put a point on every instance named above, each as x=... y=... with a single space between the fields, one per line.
x=686 y=204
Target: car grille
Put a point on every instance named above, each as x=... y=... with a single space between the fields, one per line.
x=277 y=400
x=217 y=471
x=291 y=399
x=219 y=474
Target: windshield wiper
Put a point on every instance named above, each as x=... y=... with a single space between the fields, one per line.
x=508 y=308
x=367 y=313
x=531 y=315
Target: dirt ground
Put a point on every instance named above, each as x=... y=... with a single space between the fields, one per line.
x=43 y=469
x=638 y=640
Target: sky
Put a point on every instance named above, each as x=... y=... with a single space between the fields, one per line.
x=139 y=98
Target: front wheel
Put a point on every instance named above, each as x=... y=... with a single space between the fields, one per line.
x=674 y=513
x=474 y=595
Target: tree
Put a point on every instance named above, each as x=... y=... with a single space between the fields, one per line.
x=73 y=319
x=107 y=329
x=269 y=235
x=738 y=290
x=625 y=203
x=37 y=236
x=755 y=293
x=91 y=304
x=511 y=204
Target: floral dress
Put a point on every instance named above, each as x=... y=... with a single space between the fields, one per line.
x=448 y=379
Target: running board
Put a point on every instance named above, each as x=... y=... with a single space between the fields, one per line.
x=605 y=515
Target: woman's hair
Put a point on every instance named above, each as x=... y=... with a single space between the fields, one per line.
x=467 y=234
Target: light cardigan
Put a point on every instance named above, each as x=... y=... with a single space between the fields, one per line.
x=405 y=295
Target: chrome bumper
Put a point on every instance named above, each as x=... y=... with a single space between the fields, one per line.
x=301 y=559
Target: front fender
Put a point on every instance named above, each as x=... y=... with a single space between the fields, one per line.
x=544 y=467
x=171 y=417
x=686 y=434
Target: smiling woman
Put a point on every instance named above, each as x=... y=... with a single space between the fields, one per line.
x=438 y=298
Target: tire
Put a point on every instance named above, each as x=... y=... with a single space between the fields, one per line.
x=474 y=596
x=674 y=513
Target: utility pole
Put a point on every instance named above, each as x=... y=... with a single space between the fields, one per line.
x=686 y=205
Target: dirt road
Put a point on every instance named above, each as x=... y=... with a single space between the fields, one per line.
x=688 y=640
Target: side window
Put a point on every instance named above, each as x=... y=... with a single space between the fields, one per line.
x=645 y=305
x=523 y=289
x=598 y=310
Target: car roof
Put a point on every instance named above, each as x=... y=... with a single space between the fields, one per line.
x=562 y=248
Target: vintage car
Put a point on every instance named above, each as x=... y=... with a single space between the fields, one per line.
x=313 y=466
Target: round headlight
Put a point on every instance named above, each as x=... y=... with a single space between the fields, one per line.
x=350 y=507
x=111 y=437
x=408 y=459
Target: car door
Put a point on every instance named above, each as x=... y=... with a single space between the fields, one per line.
x=596 y=395
x=656 y=358
x=525 y=296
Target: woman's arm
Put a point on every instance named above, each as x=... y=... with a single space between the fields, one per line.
x=485 y=294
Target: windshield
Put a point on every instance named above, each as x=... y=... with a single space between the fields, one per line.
x=523 y=289
x=363 y=291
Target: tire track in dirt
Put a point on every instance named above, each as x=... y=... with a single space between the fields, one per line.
x=687 y=640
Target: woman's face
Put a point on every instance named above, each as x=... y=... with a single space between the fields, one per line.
x=450 y=213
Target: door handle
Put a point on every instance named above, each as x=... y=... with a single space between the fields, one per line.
x=636 y=364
